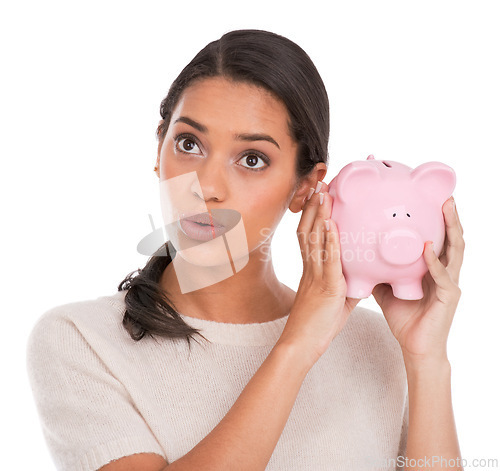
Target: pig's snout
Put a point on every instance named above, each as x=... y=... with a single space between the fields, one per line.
x=401 y=247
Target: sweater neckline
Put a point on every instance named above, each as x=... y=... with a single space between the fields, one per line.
x=225 y=333
x=250 y=334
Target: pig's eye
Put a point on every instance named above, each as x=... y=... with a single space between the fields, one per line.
x=408 y=215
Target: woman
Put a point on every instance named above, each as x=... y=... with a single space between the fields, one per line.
x=276 y=379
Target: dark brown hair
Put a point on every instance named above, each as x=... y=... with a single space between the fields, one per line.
x=257 y=57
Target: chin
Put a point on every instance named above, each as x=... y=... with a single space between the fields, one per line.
x=207 y=254
x=204 y=265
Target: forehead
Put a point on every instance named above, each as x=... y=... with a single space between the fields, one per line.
x=233 y=106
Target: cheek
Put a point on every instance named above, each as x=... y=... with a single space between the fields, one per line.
x=170 y=164
x=260 y=217
x=169 y=167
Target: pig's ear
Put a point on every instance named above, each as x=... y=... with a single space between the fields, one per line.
x=435 y=179
x=355 y=179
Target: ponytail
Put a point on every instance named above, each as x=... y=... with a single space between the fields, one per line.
x=148 y=310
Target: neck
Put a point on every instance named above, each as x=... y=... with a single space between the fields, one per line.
x=252 y=294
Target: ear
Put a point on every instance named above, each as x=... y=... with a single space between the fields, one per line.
x=435 y=179
x=306 y=183
x=157 y=164
x=355 y=178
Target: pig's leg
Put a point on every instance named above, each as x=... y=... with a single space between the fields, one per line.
x=359 y=288
x=408 y=289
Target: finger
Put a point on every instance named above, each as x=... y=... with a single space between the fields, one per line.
x=307 y=198
x=305 y=226
x=325 y=209
x=455 y=244
x=437 y=270
x=316 y=243
x=308 y=216
x=458 y=219
x=442 y=255
x=332 y=267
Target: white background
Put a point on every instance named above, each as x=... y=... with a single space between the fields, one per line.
x=81 y=87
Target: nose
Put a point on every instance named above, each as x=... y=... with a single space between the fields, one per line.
x=209 y=182
x=401 y=247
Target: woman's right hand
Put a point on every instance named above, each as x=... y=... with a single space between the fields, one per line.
x=321 y=308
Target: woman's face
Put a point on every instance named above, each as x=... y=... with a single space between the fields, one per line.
x=228 y=152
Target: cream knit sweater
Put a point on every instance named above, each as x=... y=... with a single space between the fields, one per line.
x=101 y=395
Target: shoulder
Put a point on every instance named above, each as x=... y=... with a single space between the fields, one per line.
x=78 y=365
x=67 y=326
x=104 y=309
x=81 y=341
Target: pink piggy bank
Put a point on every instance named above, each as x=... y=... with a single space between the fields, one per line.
x=385 y=211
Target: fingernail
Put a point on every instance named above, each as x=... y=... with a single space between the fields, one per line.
x=318 y=187
x=311 y=191
x=327 y=223
x=321 y=198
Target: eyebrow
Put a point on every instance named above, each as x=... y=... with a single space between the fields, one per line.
x=240 y=137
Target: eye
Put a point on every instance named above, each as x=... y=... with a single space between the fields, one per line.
x=186 y=144
x=252 y=159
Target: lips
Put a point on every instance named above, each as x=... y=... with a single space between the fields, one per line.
x=206 y=224
x=206 y=219
x=200 y=232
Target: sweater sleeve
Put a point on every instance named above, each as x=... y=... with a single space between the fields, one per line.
x=87 y=416
x=404 y=433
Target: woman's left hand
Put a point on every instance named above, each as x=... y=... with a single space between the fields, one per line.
x=421 y=326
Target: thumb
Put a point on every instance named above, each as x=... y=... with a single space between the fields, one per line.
x=380 y=291
x=353 y=302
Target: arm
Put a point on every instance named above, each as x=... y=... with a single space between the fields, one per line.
x=246 y=437
x=431 y=431
x=421 y=328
